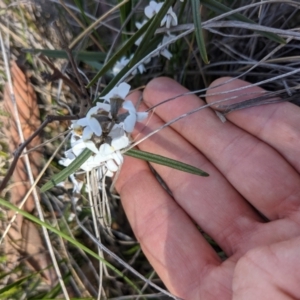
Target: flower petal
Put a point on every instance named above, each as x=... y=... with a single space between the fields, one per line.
x=141 y=68
x=118 y=158
x=105 y=149
x=120 y=143
x=65 y=161
x=166 y=53
x=92 y=111
x=112 y=166
x=103 y=106
x=95 y=126
x=128 y=105
x=108 y=173
x=123 y=89
x=82 y=122
x=149 y=12
x=163 y=21
x=69 y=154
x=87 y=133
x=140 y=116
x=91 y=145
x=129 y=122
x=78 y=147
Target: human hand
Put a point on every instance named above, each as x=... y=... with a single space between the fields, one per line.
x=253 y=162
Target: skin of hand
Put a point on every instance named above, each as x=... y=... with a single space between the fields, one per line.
x=250 y=203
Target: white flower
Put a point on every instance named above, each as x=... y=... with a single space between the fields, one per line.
x=111 y=155
x=120 y=64
x=119 y=91
x=152 y=9
x=91 y=124
x=81 y=144
x=164 y=51
x=124 y=61
x=133 y=116
x=170 y=19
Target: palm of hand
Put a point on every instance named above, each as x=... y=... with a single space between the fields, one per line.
x=253 y=165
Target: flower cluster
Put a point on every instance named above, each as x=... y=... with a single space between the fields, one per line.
x=105 y=131
x=169 y=20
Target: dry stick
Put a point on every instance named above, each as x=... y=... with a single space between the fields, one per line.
x=19 y=151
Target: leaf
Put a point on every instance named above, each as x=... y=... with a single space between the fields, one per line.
x=162 y=160
x=220 y=8
x=72 y=168
x=75 y=165
x=81 y=55
x=198 y=30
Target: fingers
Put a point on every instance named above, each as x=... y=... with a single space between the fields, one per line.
x=167 y=235
x=256 y=170
x=202 y=198
x=236 y=159
x=276 y=124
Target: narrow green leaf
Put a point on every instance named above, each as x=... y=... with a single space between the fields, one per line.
x=15 y=286
x=81 y=55
x=158 y=159
x=125 y=11
x=67 y=238
x=220 y=8
x=122 y=51
x=198 y=30
x=73 y=167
